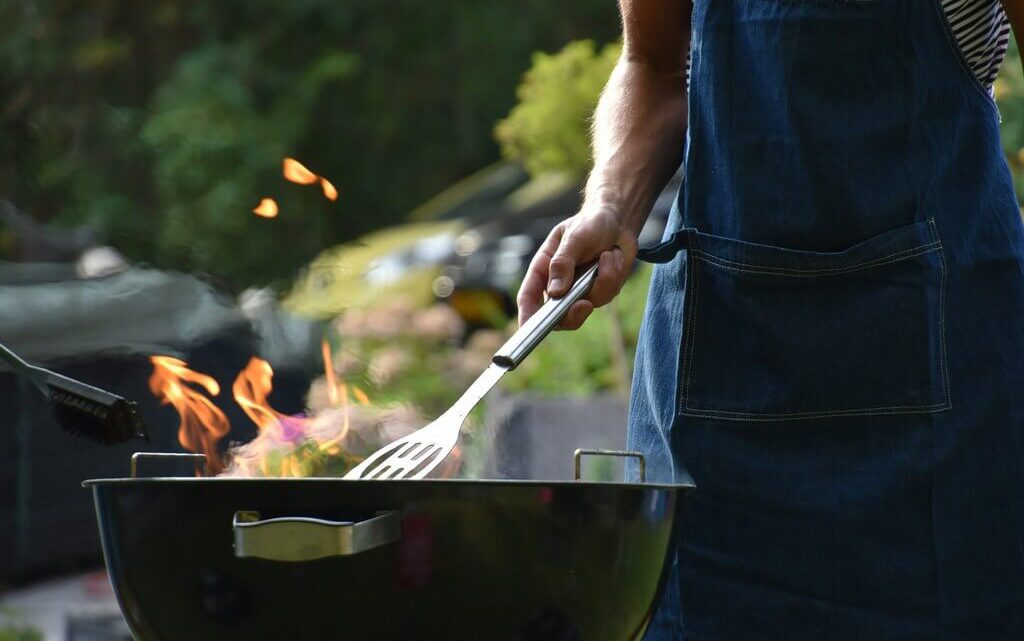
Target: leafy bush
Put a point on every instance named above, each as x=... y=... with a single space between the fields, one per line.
x=549 y=129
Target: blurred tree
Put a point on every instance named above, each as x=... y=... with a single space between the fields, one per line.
x=549 y=130
x=163 y=123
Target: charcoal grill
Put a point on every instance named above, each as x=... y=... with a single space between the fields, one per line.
x=326 y=558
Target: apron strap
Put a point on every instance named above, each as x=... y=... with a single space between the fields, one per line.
x=665 y=250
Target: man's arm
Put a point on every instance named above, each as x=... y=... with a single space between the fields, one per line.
x=1015 y=12
x=638 y=138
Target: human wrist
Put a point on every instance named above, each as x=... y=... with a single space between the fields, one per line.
x=606 y=199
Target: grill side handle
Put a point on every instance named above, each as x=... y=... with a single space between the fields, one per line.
x=295 y=539
x=577 y=459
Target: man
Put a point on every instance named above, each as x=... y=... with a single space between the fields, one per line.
x=833 y=346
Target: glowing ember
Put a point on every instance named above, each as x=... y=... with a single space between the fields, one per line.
x=330 y=192
x=201 y=423
x=266 y=209
x=296 y=172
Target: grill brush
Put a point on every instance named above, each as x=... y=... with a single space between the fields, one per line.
x=80 y=409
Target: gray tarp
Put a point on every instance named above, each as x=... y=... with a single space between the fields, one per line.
x=47 y=314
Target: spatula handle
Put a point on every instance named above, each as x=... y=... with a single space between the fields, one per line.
x=540 y=324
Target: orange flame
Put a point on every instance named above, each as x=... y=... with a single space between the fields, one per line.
x=329 y=376
x=330 y=192
x=202 y=425
x=251 y=388
x=296 y=172
x=335 y=392
x=291 y=443
x=266 y=209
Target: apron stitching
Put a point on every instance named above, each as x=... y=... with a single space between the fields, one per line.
x=753 y=416
x=787 y=271
x=942 y=315
x=688 y=338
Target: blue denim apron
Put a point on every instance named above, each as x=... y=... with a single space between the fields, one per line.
x=832 y=349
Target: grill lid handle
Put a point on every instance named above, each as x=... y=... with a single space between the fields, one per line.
x=293 y=539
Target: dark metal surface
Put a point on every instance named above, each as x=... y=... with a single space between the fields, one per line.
x=475 y=560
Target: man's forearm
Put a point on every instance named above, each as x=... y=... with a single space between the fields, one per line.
x=638 y=138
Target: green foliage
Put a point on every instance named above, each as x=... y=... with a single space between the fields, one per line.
x=163 y=123
x=549 y=129
x=402 y=354
x=12 y=628
x=10 y=633
x=1009 y=91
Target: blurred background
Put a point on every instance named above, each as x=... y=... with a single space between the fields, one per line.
x=239 y=212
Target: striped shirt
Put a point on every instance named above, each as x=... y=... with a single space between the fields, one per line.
x=982 y=31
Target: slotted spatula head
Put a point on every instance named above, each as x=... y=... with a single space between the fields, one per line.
x=411 y=457
x=416 y=455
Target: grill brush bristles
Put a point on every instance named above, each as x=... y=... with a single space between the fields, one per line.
x=80 y=409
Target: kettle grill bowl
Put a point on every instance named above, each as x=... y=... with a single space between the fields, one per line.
x=475 y=560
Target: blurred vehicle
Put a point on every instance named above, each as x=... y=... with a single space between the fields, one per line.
x=404 y=260
x=491 y=258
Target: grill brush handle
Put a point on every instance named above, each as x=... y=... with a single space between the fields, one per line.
x=540 y=324
x=293 y=539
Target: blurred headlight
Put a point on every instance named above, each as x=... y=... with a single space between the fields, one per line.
x=467 y=243
x=443 y=286
x=520 y=244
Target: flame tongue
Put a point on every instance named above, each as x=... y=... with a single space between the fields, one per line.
x=296 y=172
x=266 y=209
x=202 y=425
x=251 y=388
x=330 y=191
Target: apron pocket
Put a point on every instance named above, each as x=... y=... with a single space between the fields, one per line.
x=774 y=334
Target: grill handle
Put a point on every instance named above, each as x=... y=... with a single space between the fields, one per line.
x=540 y=324
x=577 y=459
x=294 y=539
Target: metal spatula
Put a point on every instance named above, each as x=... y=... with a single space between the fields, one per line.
x=416 y=455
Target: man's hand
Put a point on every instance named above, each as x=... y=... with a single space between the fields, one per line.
x=639 y=130
x=574 y=242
